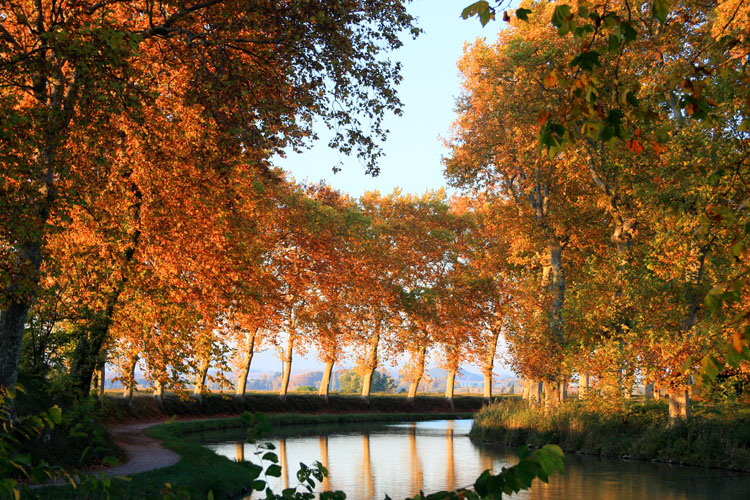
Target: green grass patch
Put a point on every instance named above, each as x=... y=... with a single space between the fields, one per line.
x=715 y=436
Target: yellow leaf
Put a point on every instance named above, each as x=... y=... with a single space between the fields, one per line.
x=550 y=80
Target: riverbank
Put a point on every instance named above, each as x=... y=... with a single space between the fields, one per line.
x=714 y=437
x=147 y=408
x=188 y=478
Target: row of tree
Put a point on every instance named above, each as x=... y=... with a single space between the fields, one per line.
x=314 y=271
x=602 y=147
x=610 y=143
x=135 y=139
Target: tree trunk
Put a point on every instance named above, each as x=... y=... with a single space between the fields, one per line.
x=102 y=379
x=584 y=382
x=657 y=391
x=489 y=363
x=287 y=366
x=241 y=387
x=551 y=394
x=130 y=381
x=537 y=392
x=372 y=362
x=27 y=256
x=526 y=394
x=417 y=374
x=158 y=390
x=679 y=405
x=200 y=378
x=487 y=392
x=93 y=337
x=449 y=384
x=325 y=382
x=557 y=285
x=563 y=391
x=12 y=322
x=648 y=391
x=85 y=360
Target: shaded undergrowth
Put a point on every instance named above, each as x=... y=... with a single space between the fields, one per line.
x=716 y=436
x=147 y=408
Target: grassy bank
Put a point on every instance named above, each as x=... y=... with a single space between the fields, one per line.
x=713 y=437
x=147 y=408
x=201 y=471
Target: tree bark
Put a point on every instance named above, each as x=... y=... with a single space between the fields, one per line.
x=287 y=367
x=12 y=322
x=563 y=390
x=489 y=363
x=648 y=391
x=417 y=374
x=537 y=392
x=584 y=382
x=325 y=382
x=28 y=255
x=487 y=391
x=449 y=385
x=557 y=285
x=102 y=379
x=241 y=386
x=372 y=363
x=551 y=394
x=130 y=380
x=158 y=390
x=679 y=405
x=93 y=337
x=200 y=378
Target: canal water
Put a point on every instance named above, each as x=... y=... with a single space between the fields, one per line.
x=368 y=461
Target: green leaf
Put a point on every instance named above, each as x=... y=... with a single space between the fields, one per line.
x=523 y=14
x=628 y=32
x=481 y=9
x=560 y=16
x=586 y=60
x=710 y=368
x=613 y=43
x=270 y=457
x=660 y=10
x=55 y=414
x=273 y=471
x=631 y=99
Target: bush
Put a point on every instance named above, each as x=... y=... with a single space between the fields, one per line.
x=714 y=437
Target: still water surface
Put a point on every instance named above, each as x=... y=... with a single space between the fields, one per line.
x=369 y=460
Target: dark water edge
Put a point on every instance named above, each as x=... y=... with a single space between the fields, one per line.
x=369 y=460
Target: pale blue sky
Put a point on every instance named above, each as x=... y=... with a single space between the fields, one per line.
x=428 y=91
x=414 y=149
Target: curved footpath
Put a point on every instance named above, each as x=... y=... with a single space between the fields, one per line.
x=143 y=453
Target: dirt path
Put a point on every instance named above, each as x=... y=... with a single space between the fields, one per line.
x=143 y=453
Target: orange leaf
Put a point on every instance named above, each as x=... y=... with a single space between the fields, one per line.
x=635 y=146
x=543 y=117
x=737 y=341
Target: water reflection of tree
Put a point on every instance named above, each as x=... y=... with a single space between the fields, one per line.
x=367 y=466
x=323 y=442
x=282 y=458
x=450 y=471
x=417 y=478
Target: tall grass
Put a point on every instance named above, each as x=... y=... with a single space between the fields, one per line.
x=713 y=437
